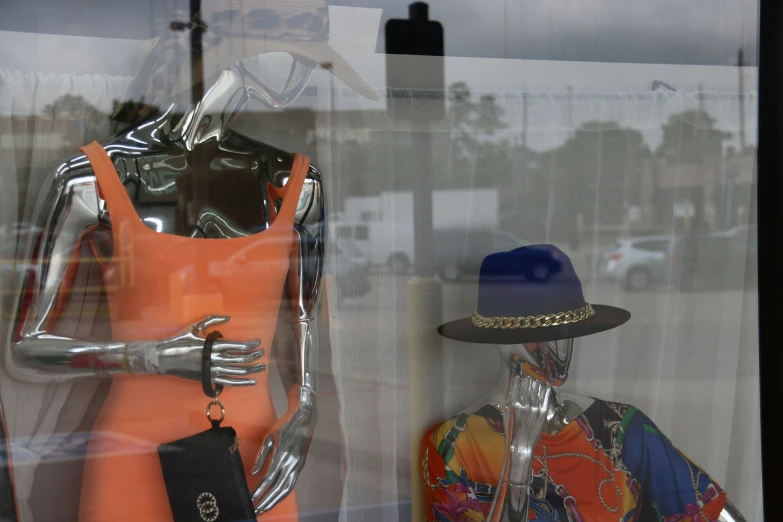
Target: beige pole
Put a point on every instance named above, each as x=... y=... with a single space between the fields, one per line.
x=425 y=362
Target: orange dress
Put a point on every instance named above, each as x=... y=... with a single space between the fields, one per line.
x=157 y=285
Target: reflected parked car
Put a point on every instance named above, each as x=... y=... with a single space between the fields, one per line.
x=715 y=261
x=637 y=263
x=459 y=252
x=352 y=270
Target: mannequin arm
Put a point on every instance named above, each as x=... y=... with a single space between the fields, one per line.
x=283 y=454
x=730 y=514
x=67 y=214
x=527 y=408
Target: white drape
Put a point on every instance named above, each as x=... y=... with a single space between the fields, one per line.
x=43 y=117
x=687 y=360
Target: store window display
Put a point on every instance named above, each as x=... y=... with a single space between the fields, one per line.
x=528 y=451
x=194 y=228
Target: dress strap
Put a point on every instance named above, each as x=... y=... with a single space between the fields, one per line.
x=293 y=187
x=110 y=188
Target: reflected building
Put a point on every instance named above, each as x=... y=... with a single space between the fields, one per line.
x=714 y=191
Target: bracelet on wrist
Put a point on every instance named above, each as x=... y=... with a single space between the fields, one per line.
x=125 y=364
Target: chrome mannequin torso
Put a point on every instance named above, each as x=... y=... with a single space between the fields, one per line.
x=532 y=403
x=148 y=159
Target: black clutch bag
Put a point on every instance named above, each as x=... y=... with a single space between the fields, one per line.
x=204 y=476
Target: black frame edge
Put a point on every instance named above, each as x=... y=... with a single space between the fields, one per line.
x=770 y=252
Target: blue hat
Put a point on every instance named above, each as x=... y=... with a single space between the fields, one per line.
x=531 y=294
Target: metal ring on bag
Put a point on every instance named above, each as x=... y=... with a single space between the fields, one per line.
x=206 y=367
x=216 y=402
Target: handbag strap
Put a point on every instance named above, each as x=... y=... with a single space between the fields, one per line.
x=206 y=366
x=206 y=379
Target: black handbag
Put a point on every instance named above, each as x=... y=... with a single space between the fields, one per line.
x=204 y=476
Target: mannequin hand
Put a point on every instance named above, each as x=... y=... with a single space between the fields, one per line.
x=529 y=401
x=282 y=456
x=181 y=356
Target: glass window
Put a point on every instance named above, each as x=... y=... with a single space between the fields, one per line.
x=361 y=232
x=344 y=232
x=369 y=216
x=371 y=240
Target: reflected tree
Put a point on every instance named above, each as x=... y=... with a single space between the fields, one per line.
x=87 y=121
x=595 y=173
x=691 y=137
x=479 y=157
x=688 y=169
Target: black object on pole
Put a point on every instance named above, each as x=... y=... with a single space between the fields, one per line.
x=196 y=27
x=196 y=52
x=770 y=245
x=417 y=36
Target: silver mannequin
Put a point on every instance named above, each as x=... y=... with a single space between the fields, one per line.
x=69 y=210
x=533 y=403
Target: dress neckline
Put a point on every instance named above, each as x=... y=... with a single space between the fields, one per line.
x=114 y=189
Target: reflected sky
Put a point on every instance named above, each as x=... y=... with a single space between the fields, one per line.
x=707 y=32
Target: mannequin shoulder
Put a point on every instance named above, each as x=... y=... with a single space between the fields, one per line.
x=77 y=170
x=580 y=402
x=310 y=211
x=76 y=167
x=314 y=173
x=610 y=420
x=72 y=181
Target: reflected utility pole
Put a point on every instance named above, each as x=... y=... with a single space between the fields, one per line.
x=197 y=28
x=741 y=80
x=420 y=36
x=521 y=181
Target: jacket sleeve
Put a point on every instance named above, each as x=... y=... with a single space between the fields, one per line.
x=673 y=488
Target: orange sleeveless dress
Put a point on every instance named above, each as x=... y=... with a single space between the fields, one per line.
x=158 y=285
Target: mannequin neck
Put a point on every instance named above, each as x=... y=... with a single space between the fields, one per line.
x=210 y=118
x=565 y=408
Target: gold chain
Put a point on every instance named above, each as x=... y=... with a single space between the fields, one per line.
x=534 y=321
x=609 y=480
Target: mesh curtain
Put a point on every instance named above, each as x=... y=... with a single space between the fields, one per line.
x=688 y=360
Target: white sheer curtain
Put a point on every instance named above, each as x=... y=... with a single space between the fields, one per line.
x=44 y=117
x=688 y=360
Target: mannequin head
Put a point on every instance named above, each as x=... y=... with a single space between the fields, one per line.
x=546 y=361
x=275 y=79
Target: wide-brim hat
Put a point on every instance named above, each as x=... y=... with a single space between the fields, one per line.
x=230 y=50
x=531 y=294
x=231 y=33
x=254 y=27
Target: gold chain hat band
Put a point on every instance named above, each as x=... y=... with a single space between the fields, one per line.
x=533 y=321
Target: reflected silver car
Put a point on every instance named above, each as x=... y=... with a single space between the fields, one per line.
x=352 y=270
x=637 y=263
